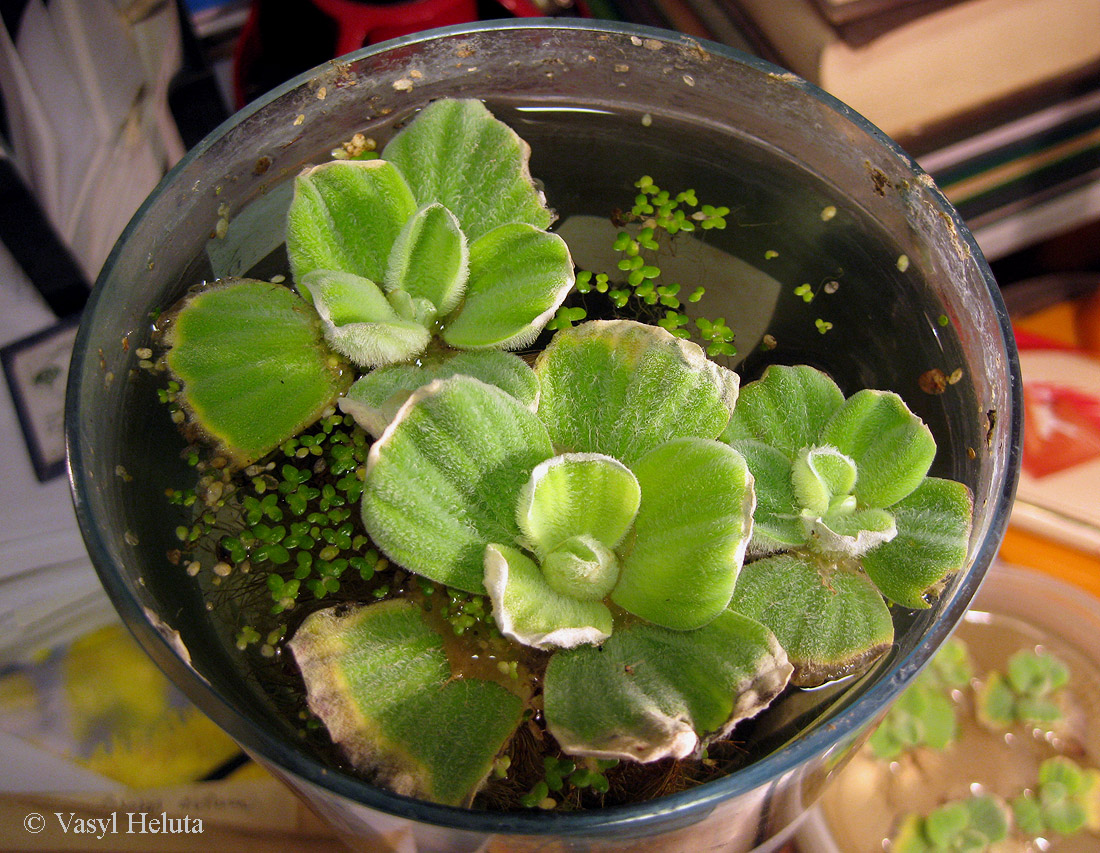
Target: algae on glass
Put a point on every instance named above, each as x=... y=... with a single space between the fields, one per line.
x=650 y=552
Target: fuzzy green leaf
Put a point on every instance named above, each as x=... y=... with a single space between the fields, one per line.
x=430 y=259
x=690 y=534
x=456 y=153
x=786 y=408
x=253 y=364
x=891 y=446
x=444 y=479
x=359 y=321
x=581 y=567
x=622 y=388
x=374 y=399
x=831 y=620
x=650 y=693
x=850 y=534
x=348 y=659
x=577 y=494
x=529 y=611
x=519 y=276
x=345 y=216
x=777 y=523
x=933 y=537
x=819 y=475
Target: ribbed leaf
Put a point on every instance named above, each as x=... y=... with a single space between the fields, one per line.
x=430 y=259
x=690 y=534
x=345 y=216
x=358 y=320
x=777 y=522
x=253 y=364
x=456 y=153
x=374 y=399
x=786 y=408
x=933 y=526
x=850 y=534
x=528 y=611
x=444 y=479
x=577 y=494
x=378 y=678
x=650 y=693
x=831 y=621
x=622 y=388
x=519 y=276
x=891 y=446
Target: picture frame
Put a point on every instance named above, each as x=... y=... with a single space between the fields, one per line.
x=36 y=369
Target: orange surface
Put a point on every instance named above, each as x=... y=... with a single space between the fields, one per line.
x=1076 y=567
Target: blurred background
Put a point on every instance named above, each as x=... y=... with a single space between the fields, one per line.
x=998 y=99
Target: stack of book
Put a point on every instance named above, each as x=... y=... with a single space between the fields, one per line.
x=998 y=99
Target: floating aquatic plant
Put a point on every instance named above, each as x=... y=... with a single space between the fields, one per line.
x=846 y=514
x=608 y=527
x=395 y=250
x=972 y=825
x=1028 y=692
x=390 y=255
x=924 y=714
x=1065 y=800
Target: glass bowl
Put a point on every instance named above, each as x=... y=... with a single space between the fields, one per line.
x=817 y=194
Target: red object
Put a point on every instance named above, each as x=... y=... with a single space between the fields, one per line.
x=1033 y=340
x=1062 y=428
x=367 y=23
x=283 y=38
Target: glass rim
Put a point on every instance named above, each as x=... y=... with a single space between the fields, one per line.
x=696 y=801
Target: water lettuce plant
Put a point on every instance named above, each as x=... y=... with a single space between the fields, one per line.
x=391 y=257
x=608 y=527
x=846 y=514
x=398 y=250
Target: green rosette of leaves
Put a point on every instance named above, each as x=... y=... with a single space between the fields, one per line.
x=441 y=245
x=846 y=514
x=608 y=528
